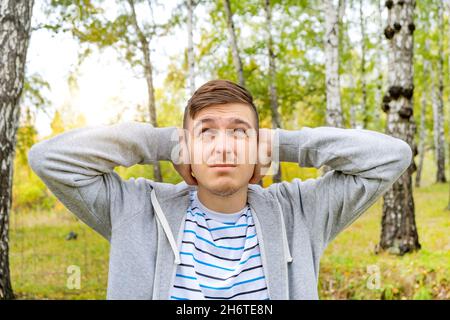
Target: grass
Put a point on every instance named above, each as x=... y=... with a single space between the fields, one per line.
x=40 y=255
x=347 y=263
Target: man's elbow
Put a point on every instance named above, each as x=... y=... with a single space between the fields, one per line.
x=405 y=156
x=36 y=156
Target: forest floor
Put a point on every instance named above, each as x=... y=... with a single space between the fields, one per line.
x=44 y=264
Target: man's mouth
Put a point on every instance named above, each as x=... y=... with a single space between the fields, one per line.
x=222 y=165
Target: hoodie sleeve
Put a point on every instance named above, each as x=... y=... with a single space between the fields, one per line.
x=364 y=165
x=77 y=166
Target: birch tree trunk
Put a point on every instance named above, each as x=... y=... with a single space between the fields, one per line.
x=422 y=138
x=438 y=104
x=148 y=71
x=448 y=115
x=448 y=206
x=15 y=22
x=190 y=53
x=399 y=232
x=334 y=11
x=233 y=43
x=423 y=112
x=380 y=68
x=362 y=23
x=276 y=121
x=348 y=64
x=353 y=117
x=334 y=115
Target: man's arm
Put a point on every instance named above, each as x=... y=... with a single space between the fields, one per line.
x=77 y=166
x=365 y=164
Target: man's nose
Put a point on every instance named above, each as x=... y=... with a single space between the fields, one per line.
x=224 y=143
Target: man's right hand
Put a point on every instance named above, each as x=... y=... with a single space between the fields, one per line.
x=184 y=164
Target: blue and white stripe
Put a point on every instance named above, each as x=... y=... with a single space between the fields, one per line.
x=220 y=256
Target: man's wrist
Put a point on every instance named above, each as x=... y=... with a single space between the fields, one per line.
x=287 y=145
x=167 y=139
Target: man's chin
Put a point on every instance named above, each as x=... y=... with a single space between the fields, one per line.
x=223 y=190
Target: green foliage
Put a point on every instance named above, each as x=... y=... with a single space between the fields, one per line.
x=298 y=32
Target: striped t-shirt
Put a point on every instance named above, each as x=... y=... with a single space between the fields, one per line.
x=220 y=256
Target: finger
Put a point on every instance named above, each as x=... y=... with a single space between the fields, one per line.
x=254 y=180
x=188 y=177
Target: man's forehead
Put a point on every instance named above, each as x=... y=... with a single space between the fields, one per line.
x=225 y=120
x=222 y=119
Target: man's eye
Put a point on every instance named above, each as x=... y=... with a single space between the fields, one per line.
x=206 y=131
x=240 y=132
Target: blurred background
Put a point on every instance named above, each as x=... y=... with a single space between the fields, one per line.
x=362 y=64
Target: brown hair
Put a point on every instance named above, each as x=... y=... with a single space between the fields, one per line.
x=218 y=92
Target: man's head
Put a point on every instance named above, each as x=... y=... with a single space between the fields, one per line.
x=222 y=125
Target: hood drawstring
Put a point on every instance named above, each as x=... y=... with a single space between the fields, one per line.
x=173 y=244
x=165 y=224
x=285 y=240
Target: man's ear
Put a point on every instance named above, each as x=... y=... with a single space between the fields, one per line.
x=256 y=177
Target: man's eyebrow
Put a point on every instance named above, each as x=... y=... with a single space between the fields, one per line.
x=240 y=121
x=232 y=121
x=202 y=121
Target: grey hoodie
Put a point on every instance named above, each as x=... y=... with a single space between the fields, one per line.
x=143 y=220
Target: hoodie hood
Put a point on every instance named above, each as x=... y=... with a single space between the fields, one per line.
x=173 y=242
x=267 y=218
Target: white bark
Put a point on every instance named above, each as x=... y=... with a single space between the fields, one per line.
x=362 y=23
x=380 y=67
x=399 y=232
x=423 y=109
x=334 y=110
x=233 y=43
x=276 y=121
x=15 y=22
x=438 y=103
x=148 y=72
x=190 y=53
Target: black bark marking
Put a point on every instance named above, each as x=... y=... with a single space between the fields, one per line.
x=405 y=113
x=389 y=32
x=408 y=92
x=395 y=92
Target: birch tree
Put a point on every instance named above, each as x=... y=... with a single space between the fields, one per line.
x=15 y=22
x=380 y=68
x=448 y=97
x=399 y=233
x=448 y=28
x=190 y=50
x=423 y=112
x=148 y=72
x=276 y=121
x=362 y=25
x=233 y=43
x=334 y=116
x=438 y=103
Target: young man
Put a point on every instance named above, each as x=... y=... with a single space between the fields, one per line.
x=217 y=234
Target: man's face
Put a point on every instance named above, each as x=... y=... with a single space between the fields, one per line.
x=223 y=135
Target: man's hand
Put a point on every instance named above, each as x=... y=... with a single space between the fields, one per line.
x=184 y=164
x=264 y=155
